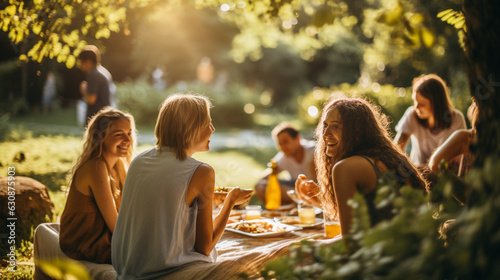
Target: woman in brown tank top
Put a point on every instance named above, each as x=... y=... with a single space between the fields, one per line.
x=89 y=217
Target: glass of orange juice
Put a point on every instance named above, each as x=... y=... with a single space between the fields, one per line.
x=253 y=212
x=332 y=227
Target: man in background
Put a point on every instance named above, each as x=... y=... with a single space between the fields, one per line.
x=296 y=157
x=95 y=90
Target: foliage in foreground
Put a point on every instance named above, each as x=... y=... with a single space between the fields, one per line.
x=409 y=246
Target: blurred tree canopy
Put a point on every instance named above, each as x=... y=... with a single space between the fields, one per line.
x=390 y=36
x=284 y=47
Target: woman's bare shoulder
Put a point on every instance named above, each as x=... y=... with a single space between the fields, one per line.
x=352 y=166
x=357 y=168
x=204 y=172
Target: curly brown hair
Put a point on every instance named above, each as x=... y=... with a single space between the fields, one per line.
x=365 y=131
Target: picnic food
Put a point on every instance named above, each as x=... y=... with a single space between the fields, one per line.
x=222 y=189
x=258 y=227
x=290 y=220
x=220 y=194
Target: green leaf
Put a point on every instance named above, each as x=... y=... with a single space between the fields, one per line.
x=11 y=10
x=102 y=33
x=428 y=37
x=64 y=269
x=445 y=12
x=70 y=61
x=19 y=37
x=37 y=28
x=57 y=48
x=5 y=26
x=88 y=18
x=460 y=24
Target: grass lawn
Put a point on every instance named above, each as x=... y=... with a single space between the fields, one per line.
x=49 y=159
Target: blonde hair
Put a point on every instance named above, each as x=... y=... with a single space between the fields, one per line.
x=93 y=147
x=180 y=121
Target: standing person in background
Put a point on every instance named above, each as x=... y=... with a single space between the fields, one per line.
x=296 y=157
x=49 y=91
x=430 y=121
x=105 y=72
x=205 y=71
x=95 y=88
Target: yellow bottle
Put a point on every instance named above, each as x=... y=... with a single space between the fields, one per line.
x=273 y=189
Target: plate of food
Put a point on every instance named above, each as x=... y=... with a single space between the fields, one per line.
x=261 y=228
x=295 y=221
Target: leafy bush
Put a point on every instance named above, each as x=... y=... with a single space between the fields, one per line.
x=142 y=100
x=408 y=246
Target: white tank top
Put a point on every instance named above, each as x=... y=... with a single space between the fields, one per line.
x=156 y=230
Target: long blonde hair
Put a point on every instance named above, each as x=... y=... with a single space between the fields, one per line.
x=97 y=129
x=180 y=121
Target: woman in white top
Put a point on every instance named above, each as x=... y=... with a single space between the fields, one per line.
x=165 y=221
x=430 y=121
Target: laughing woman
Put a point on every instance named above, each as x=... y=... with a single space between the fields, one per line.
x=354 y=151
x=166 y=218
x=89 y=217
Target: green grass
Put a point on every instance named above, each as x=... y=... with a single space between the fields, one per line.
x=61 y=121
x=49 y=159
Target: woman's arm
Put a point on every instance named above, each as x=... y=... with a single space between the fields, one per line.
x=208 y=231
x=101 y=189
x=401 y=140
x=455 y=145
x=344 y=185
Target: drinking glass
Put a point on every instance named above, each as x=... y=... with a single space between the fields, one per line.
x=332 y=227
x=307 y=215
x=253 y=212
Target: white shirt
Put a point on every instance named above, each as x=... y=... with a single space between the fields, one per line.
x=296 y=168
x=423 y=140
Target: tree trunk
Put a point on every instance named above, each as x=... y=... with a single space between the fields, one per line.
x=483 y=57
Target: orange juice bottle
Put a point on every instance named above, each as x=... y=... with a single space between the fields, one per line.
x=273 y=189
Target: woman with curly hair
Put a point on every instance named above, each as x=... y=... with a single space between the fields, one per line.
x=354 y=151
x=89 y=217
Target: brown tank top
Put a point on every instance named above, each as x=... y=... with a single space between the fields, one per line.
x=84 y=234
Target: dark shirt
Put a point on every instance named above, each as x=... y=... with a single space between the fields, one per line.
x=99 y=85
x=376 y=214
